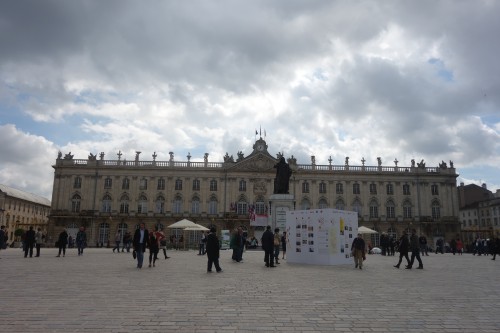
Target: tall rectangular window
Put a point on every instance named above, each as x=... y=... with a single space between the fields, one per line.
x=356 y=189
x=161 y=184
x=305 y=187
x=373 y=188
x=339 y=188
x=178 y=185
x=406 y=189
x=434 y=190
x=213 y=185
x=143 y=184
x=322 y=187
x=390 y=189
x=196 y=185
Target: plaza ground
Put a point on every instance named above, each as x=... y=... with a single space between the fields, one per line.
x=105 y=292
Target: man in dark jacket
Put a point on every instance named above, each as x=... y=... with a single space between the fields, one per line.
x=213 y=249
x=404 y=244
x=141 y=239
x=415 y=250
x=29 y=242
x=268 y=246
x=358 y=251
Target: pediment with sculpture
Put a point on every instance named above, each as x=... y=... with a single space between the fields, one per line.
x=258 y=162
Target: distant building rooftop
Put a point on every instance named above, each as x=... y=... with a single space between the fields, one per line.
x=12 y=192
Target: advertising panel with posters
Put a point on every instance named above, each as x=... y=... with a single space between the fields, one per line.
x=320 y=236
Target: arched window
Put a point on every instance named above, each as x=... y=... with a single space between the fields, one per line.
x=103 y=234
x=340 y=205
x=260 y=206
x=390 y=209
x=241 y=207
x=122 y=229
x=436 y=210
x=106 y=204
x=373 y=209
x=195 y=206
x=177 y=204
x=212 y=206
x=392 y=233
x=75 y=203
x=124 y=203
x=305 y=204
x=407 y=211
x=160 y=205
x=322 y=204
x=357 y=207
x=142 y=204
x=125 y=184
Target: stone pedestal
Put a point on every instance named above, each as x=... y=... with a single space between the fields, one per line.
x=279 y=204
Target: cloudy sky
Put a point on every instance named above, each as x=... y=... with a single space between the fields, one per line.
x=395 y=79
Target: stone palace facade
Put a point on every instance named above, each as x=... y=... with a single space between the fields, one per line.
x=110 y=195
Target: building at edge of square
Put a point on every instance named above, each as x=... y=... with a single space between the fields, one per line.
x=110 y=195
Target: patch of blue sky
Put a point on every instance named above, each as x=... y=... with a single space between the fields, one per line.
x=482 y=174
x=441 y=69
x=319 y=74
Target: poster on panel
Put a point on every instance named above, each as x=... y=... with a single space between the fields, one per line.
x=320 y=236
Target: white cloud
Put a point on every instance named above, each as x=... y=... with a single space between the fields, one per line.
x=360 y=79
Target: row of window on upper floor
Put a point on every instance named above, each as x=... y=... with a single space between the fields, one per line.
x=242 y=186
x=25 y=207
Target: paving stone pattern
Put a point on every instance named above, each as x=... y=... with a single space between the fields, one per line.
x=103 y=291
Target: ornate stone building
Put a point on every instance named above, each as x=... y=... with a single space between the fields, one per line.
x=20 y=210
x=111 y=195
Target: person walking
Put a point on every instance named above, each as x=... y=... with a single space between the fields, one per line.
x=496 y=251
x=62 y=241
x=38 y=241
x=118 y=239
x=237 y=243
x=268 y=246
x=154 y=246
x=3 y=238
x=277 y=243
x=140 y=242
x=81 y=240
x=422 y=240
x=203 y=240
x=404 y=245
x=283 y=245
x=213 y=251
x=460 y=247
x=358 y=251
x=127 y=239
x=415 y=250
x=29 y=240
x=163 y=243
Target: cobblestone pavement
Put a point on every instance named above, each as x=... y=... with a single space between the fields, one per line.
x=105 y=292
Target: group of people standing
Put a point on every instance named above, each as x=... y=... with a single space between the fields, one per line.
x=271 y=243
